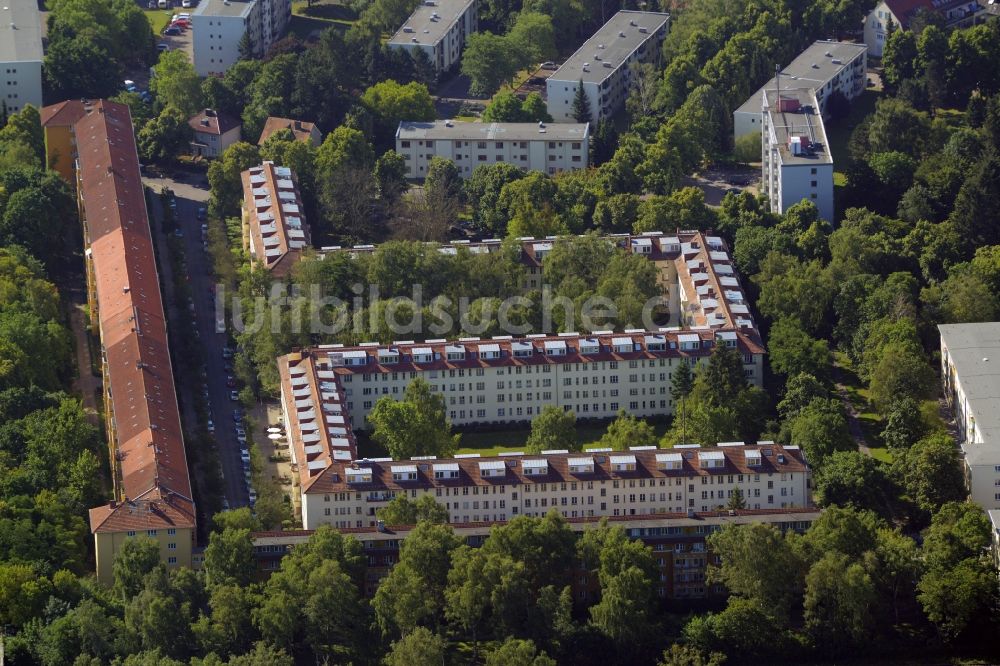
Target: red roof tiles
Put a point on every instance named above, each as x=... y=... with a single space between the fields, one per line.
x=149 y=439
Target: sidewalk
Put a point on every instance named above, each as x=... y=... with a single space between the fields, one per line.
x=85 y=385
x=274 y=454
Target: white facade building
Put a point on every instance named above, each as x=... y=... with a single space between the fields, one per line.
x=274 y=228
x=594 y=483
x=825 y=67
x=533 y=147
x=795 y=154
x=439 y=28
x=20 y=56
x=218 y=27
x=603 y=65
x=970 y=371
x=956 y=13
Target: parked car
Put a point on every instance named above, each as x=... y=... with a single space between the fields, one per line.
x=146 y=97
x=130 y=85
x=253 y=498
x=172 y=31
x=186 y=4
x=202 y=211
x=162 y=4
x=234 y=396
x=231 y=381
x=211 y=426
x=162 y=48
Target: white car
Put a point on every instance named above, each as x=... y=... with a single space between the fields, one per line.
x=211 y=426
x=186 y=4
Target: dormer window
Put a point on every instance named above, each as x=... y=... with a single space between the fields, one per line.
x=359 y=475
x=404 y=472
x=446 y=471
x=581 y=465
x=623 y=463
x=492 y=468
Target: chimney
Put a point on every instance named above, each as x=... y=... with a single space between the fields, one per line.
x=298 y=125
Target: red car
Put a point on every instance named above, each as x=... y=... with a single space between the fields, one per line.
x=181 y=23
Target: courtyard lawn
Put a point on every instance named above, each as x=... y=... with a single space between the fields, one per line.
x=322 y=14
x=491 y=443
x=159 y=18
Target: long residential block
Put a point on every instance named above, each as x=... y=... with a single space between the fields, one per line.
x=795 y=155
x=678 y=541
x=152 y=489
x=533 y=147
x=594 y=483
x=603 y=65
x=21 y=55
x=695 y=273
x=440 y=29
x=274 y=228
x=970 y=372
x=825 y=67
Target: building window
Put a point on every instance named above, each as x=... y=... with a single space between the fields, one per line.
x=171 y=560
x=405 y=144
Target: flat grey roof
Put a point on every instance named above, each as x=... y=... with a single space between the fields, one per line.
x=223 y=8
x=607 y=46
x=801 y=73
x=430 y=22
x=974 y=350
x=804 y=122
x=439 y=129
x=20 y=32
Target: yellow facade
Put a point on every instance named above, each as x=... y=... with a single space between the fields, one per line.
x=175 y=544
x=60 y=151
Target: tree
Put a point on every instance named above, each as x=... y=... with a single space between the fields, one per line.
x=626 y=431
x=136 y=558
x=70 y=71
x=747 y=148
x=681 y=384
x=931 y=472
x=414 y=426
x=176 y=83
x=392 y=102
x=25 y=128
x=901 y=371
x=722 y=379
x=419 y=647
x=838 y=601
x=490 y=61
x=553 y=429
x=793 y=351
x=820 y=430
x=518 y=652
x=413 y=594
x=736 y=500
x=401 y=511
x=851 y=478
x=532 y=38
x=163 y=137
x=758 y=563
x=581 y=105
x=684 y=655
x=390 y=176
x=506 y=107
x=229 y=558
x=344 y=184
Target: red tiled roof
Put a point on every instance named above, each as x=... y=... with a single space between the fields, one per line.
x=273 y=210
x=63 y=114
x=301 y=130
x=150 y=443
x=334 y=478
x=155 y=511
x=213 y=122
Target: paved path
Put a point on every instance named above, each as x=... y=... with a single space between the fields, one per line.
x=853 y=421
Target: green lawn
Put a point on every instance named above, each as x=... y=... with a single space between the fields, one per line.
x=839 y=133
x=490 y=443
x=321 y=15
x=871 y=423
x=159 y=18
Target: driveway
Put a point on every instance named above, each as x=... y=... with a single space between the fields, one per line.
x=191 y=192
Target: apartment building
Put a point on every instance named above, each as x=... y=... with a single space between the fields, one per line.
x=678 y=541
x=696 y=275
x=274 y=229
x=899 y=13
x=218 y=28
x=826 y=67
x=795 y=155
x=530 y=146
x=970 y=356
x=151 y=487
x=593 y=483
x=21 y=56
x=439 y=28
x=603 y=65
x=301 y=130
x=213 y=132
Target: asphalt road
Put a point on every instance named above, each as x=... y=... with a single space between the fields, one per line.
x=192 y=193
